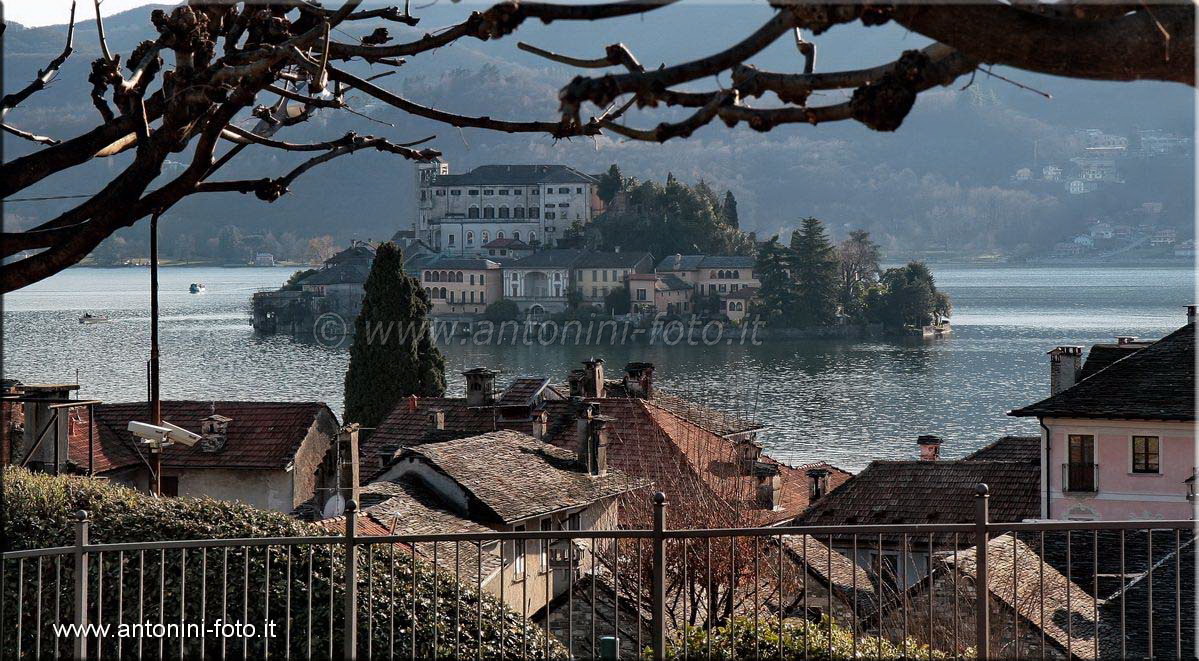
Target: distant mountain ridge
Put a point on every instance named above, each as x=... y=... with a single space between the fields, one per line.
x=943 y=179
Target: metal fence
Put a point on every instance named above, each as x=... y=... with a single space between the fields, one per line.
x=1045 y=589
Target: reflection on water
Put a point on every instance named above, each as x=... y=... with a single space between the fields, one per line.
x=844 y=402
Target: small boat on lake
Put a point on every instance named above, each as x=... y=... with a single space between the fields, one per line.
x=89 y=318
x=197 y=288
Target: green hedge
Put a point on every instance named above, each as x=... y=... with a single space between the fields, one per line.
x=230 y=583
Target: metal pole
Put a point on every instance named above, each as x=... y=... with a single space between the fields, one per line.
x=79 y=650
x=659 y=587
x=981 y=592
x=155 y=400
x=350 y=650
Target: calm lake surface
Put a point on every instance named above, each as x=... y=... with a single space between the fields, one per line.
x=845 y=402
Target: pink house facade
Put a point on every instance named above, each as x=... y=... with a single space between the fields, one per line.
x=1118 y=434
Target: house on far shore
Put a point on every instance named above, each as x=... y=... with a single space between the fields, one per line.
x=1118 y=439
x=271 y=455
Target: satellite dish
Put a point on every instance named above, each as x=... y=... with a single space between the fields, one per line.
x=335 y=506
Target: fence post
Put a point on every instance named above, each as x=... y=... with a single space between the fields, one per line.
x=981 y=592
x=659 y=594
x=350 y=649
x=79 y=650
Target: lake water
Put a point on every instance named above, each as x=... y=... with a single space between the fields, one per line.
x=845 y=402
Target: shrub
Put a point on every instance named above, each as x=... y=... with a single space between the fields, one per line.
x=504 y=309
x=236 y=584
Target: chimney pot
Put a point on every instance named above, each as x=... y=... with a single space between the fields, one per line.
x=817 y=483
x=540 y=420
x=593 y=378
x=1065 y=364
x=639 y=380
x=480 y=386
x=413 y=403
x=770 y=485
x=437 y=419
x=214 y=433
x=1191 y=314
x=593 y=442
x=748 y=454
x=1125 y=339
x=930 y=447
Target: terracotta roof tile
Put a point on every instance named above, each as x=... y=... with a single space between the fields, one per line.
x=262 y=435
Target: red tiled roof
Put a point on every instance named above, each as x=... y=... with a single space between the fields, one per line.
x=261 y=435
x=690 y=463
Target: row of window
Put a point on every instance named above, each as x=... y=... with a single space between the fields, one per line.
x=598 y=275
x=440 y=192
x=436 y=293
x=470 y=237
x=451 y=276
x=520 y=548
x=722 y=288
x=1145 y=452
x=724 y=275
x=505 y=212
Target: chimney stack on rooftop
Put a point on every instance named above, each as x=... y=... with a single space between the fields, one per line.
x=480 y=386
x=1065 y=364
x=769 y=486
x=1125 y=339
x=437 y=419
x=413 y=403
x=930 y=447
x=593 y=441
x=1191 y=314
x=540 y=425
x=639 y=380
x=748 y=453
x=817 y=483
x=593 y=378
x=214 y=433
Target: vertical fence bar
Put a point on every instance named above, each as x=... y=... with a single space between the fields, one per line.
x=350 y=642
x=1149 y=591
x=659 y=586
x=79 y=649
x=981 y=595
x=1123 y=578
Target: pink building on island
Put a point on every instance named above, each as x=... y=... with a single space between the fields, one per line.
x=1118 y=432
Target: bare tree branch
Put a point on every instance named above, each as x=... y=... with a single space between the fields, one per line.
x=26 y=135
x=44 y=76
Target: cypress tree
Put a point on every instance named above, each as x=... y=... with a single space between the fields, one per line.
x=393 y=355
x=729 y=210
x=814 y=270
x=610 y=183
x=777 y=295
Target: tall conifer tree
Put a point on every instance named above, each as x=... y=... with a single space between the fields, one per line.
x=814 y=270
x=393 y=354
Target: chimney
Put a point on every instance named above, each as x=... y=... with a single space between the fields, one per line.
x=437 y=419
x=1121 y=340
x=593 y=442
x=817 y=484
x=413 y=403
x=639 y=380
x=748 y=453
x=770 y=486
x=574 y=381
x=930 y=447
x=593 y=377
x=480 y=386
x=540 y=424
x=214 y=433
x=1190 y=314
x=1065 y=364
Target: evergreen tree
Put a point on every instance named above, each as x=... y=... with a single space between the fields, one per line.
x=814 y=271
x=729 y=210
x=393 y=355
x=908 y=296
x=858 y=270
x=777 y=294
x=610 y=183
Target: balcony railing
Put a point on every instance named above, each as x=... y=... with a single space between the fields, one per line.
x=1080 y=478
x=353 y=596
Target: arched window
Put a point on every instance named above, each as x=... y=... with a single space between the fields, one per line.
x=472 y=212
x=532 y=236
x=516 y=235
x=485 y=239
x=428 y=276
x=489 y=212
x=470 y=238
x=499 y=235
x=736 y=275
x=459 y=277
x=518 y=212
x=712 y=275
x=429 y=292
x=503 y=212
x=442 y=293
